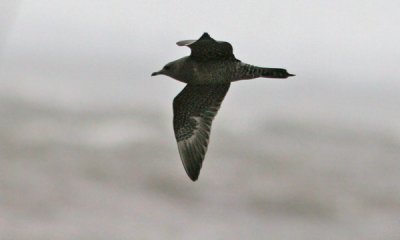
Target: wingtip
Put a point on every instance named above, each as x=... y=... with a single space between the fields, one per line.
x=194 y=178
x=193 y=174
x=205 y=36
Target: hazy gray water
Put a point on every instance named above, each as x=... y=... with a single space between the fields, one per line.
x=116 y=174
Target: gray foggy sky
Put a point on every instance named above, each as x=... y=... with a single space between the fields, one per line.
x=59 y=45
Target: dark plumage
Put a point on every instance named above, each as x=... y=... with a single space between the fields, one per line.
x=208 y=72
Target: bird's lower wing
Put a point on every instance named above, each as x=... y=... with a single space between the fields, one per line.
x=194 y=109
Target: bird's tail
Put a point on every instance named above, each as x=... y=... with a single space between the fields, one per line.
x=248 y=71
x=275 y=73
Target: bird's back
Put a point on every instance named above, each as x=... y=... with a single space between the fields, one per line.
x=213 y=72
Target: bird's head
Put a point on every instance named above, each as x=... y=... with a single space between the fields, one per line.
x=167 y=70
x=176 y=69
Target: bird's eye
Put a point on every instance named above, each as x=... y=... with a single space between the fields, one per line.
x=167 y=67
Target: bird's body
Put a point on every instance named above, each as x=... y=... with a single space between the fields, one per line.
x=213 y=72
x=191 y=71
x=208 y=72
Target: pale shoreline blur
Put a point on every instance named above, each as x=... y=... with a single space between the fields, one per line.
x=106 y=173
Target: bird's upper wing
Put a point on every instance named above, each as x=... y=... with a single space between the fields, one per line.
x=194 y=109
x=206 y=49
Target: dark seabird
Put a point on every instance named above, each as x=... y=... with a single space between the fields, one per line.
x=208 y=73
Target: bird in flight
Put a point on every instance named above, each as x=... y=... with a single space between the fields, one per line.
x=208 y=73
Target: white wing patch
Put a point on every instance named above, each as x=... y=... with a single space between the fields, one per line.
x=197 y=143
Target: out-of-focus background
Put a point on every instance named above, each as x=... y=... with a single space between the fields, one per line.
x=87 y=149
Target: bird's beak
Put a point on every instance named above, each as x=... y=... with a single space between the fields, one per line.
x=156 y=73
x=291 y=75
